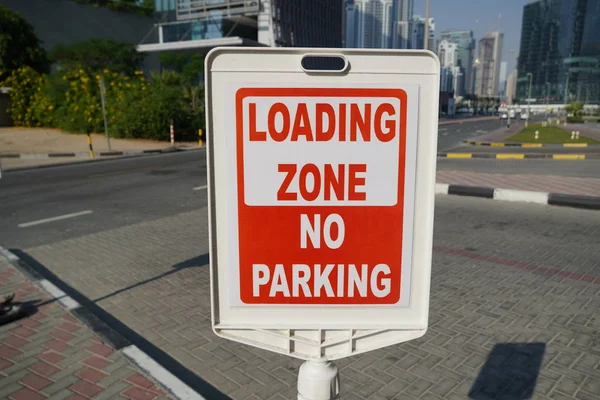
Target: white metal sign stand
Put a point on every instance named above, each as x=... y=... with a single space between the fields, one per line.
x=321 y=182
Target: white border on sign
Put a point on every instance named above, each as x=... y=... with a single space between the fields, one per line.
x=412 y=92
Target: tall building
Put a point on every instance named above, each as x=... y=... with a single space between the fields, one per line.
x=466 y=52
x=560 y=48
x=488 y=64
x=369 y=23
x=448 y=53
x=201 y=25
x=418 y=33
x=402 y=11
x=502 y=79
x=378 y=24
x=511 y=86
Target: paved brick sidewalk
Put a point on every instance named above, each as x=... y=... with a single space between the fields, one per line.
x=50 y=354
x=515 y=288
x=538 y=183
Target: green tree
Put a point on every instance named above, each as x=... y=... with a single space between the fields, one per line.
x=190 y=67
x=98 y=54
x=575 y=108
x=19 y=46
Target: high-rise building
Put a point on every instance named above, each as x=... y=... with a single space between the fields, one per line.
x=502 y=79
x=378 y=23
x=452 y=72
x=488 y=64
x=466 y=52
x=201 y=25
x=511 y=86
x=448 y=53
x=402 y=11
x=418 y=33
x=560 y=48
x=369 y=24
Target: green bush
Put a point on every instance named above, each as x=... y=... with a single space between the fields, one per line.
x=135 y=107
x=24 y=82
x=147 y=113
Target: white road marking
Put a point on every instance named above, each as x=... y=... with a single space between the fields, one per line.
x=58 y=294
x=43 y=221
x=201 y=187
x=442 y=129
x=167 y=379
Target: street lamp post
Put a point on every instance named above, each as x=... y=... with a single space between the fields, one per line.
x=426 y=34
x=530 y=76
x=566 y=96
x=547 y=97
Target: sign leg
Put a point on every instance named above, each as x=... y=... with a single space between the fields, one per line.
x=318 y=380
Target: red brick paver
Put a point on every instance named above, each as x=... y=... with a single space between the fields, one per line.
x=71 y=363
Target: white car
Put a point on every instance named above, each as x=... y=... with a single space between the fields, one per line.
x=504 y=116
x=524 y=116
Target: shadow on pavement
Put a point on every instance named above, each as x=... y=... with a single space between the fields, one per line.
x=100 y=321
x=199 y=261
x=510 y=372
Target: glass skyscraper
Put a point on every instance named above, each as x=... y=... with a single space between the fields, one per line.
x=466 y=50
x=560 y=48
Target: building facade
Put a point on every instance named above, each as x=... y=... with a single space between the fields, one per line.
x=448 y=53
x=502 y=79
x=378 y=24
x=201 y=25
x=369 y=24
x=418 y=33
x=511 y=86
x=466 y=53
x=487 y=64
x=401 y=32
x=560 y=48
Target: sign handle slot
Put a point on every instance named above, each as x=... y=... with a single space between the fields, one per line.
x=324 y=63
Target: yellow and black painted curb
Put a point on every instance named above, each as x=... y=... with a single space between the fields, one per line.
x=502 y=144
x=521 y=156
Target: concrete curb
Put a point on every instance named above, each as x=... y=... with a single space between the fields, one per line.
x=52 y=285
x=520 y=156
x=95 y=160
x=503 y=144
x=30 y=156
x=525 y=196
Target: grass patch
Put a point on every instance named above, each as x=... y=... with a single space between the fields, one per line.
x=549 y=134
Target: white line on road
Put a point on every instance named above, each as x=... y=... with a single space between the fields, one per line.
x=442 y=129
x=43 y=221
x=201 y=187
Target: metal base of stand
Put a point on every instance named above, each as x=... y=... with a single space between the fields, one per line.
x=318 y=380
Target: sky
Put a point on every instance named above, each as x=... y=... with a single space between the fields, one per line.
x=480 y=16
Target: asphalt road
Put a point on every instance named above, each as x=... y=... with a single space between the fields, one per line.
x=452 y=136
x=93 y=197
x=117 y=192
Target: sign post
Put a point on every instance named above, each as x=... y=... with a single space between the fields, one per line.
x=321 y=193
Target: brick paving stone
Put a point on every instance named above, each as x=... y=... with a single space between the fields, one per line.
x=26 y=394
x=35 y=382
x=37 y=363
x=502 y=273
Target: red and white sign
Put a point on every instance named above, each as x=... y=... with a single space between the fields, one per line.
x=324 y=185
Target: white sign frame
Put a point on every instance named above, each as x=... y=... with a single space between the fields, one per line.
x=316 y=331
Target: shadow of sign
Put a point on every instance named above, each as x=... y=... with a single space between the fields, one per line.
x=510 y=372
